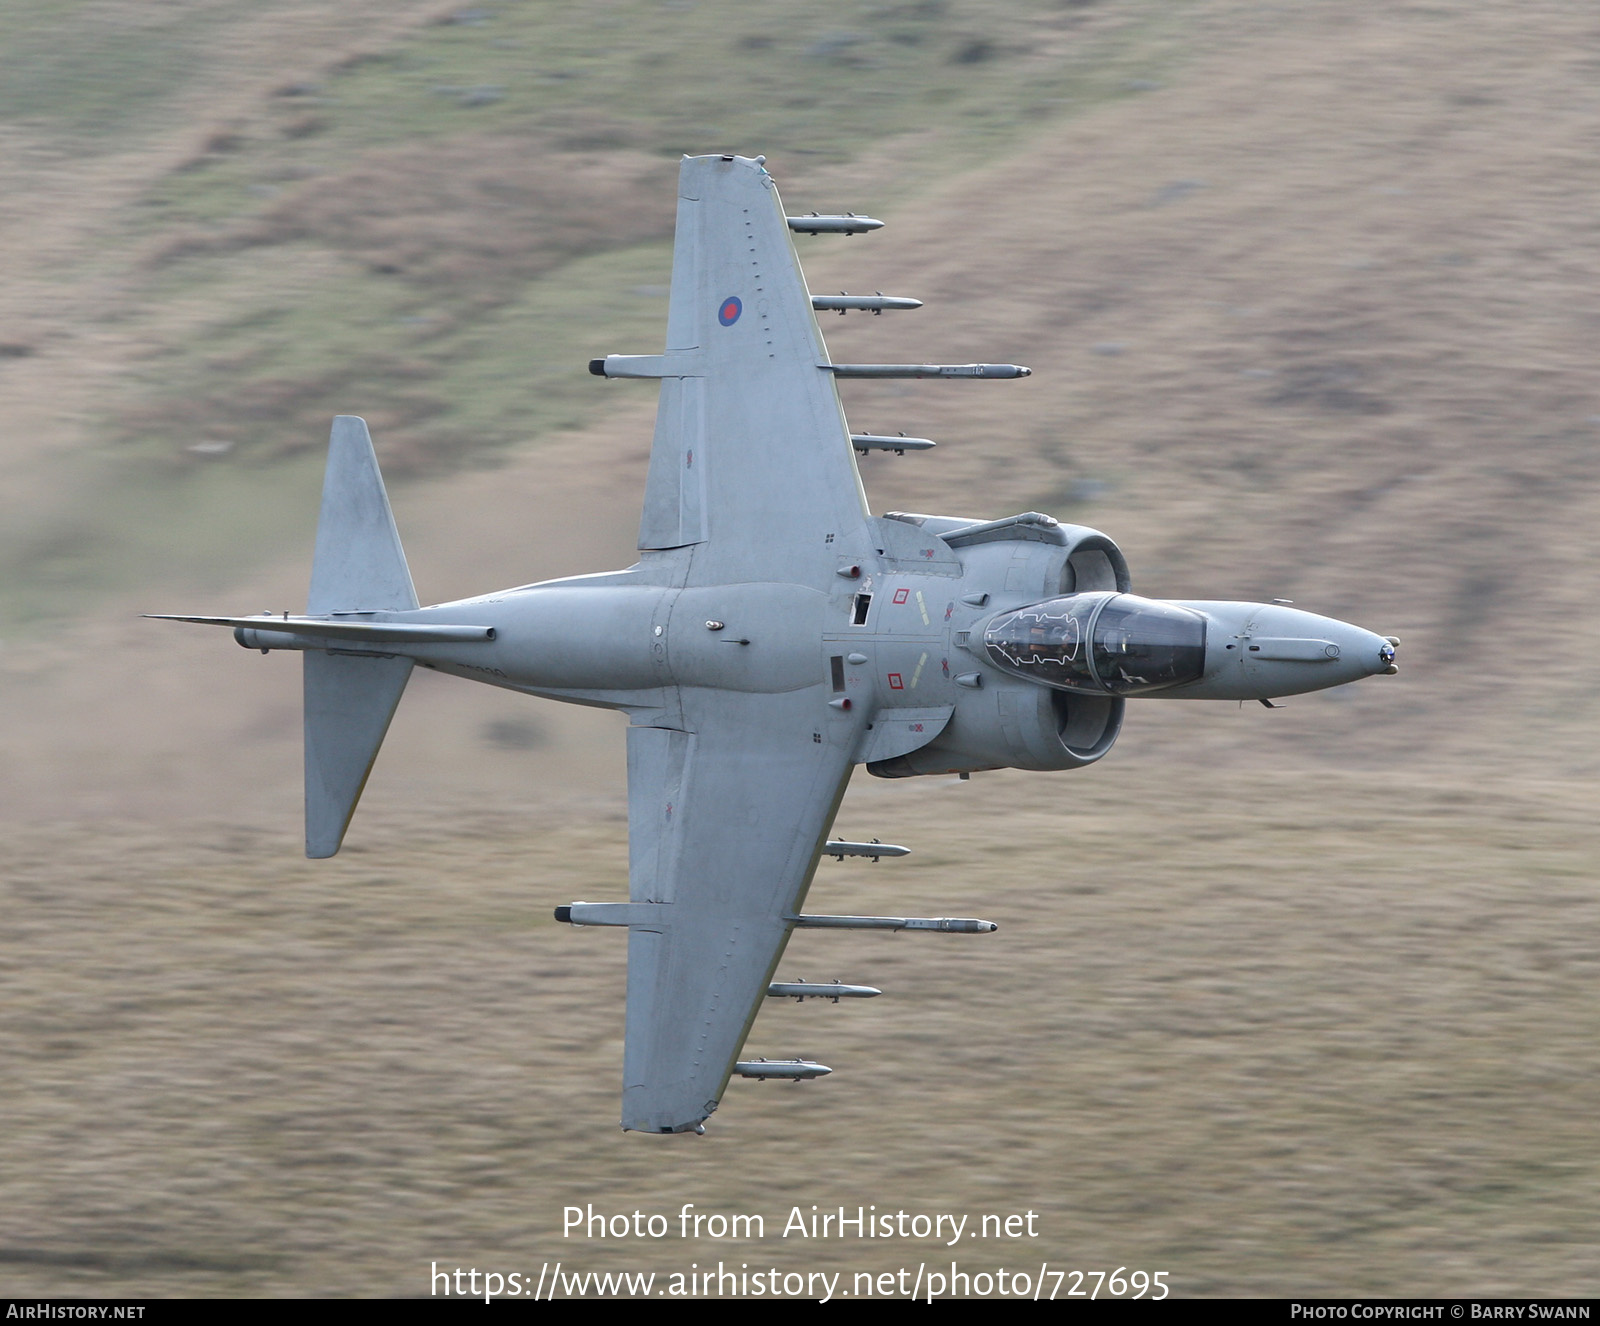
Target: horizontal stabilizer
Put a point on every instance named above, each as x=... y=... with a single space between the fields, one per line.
x=350 y=697
x=349 y=702
x=358 y=567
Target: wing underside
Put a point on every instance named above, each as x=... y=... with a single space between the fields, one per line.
x=753 y=480
x=725 y=827
x=752 y=462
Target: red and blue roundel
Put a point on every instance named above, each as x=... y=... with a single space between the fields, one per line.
x=729 y=313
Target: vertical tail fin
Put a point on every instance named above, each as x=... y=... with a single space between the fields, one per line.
x=350 y=699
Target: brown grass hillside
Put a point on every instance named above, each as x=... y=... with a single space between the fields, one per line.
x=1282 y=1003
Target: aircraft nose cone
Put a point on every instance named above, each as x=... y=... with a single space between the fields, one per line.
x=1350 y=651
x=1268 y=650
x=1374 y=654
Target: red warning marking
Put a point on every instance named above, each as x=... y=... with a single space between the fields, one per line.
x=895 y=682
x=901 y=595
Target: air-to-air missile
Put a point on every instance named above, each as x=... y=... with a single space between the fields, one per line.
x=924 y=371
x=949 y=925
x=818 y=224
x=789 y=1070
x=838 y=849
x=875 y=303
x=800 y=991
x=898 y=443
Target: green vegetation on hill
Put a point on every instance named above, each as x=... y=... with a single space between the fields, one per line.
x=371 y=237
x=438 y=231
x=89 y=75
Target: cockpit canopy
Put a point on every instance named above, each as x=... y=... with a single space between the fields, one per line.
x=1116 y=644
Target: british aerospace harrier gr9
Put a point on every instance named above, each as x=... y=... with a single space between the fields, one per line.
x=773 y=635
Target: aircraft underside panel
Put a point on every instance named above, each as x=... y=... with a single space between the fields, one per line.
x=901 y=731
x=675 y=492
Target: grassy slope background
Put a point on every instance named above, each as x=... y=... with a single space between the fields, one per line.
x=1293 y=1002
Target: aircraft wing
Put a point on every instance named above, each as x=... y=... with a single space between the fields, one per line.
x=725 y=825
x=751 y=464
x=753 y=479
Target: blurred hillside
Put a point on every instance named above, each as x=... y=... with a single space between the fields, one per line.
x=418 y=214
x=1309 y=294
x=1308 y=303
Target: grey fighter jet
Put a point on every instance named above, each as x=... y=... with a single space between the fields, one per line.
x=773 y=635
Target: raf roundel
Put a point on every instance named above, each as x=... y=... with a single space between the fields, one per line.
x=729 y=313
